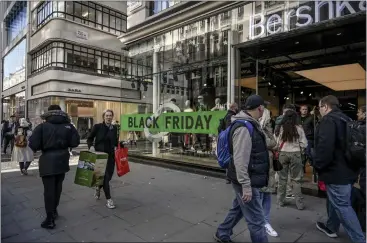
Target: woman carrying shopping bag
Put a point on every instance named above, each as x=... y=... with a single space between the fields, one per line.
x=22 y=153
x=291 y=143
x=104 y=138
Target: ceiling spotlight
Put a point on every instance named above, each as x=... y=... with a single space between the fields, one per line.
x=269 y=83
x=287 y=98
x=310 y=94
x=297 y=42
x=339 y=34
x=301 y=92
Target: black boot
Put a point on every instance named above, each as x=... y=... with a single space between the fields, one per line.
x=55 y=214
x=49 y=222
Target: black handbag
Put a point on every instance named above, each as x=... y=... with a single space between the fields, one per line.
x=277 y=166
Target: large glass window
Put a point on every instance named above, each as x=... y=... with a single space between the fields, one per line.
x=14 y=66
x=14 y=104
x=65 y=55
x=16 y=21
x=88 y=13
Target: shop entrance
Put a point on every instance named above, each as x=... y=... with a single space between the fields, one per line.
x=302 y=66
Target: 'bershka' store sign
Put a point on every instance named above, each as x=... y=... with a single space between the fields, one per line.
x=305 y=15
x=181 y=122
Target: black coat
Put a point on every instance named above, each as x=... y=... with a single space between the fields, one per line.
x=226 y=121
x=103 y=138
x=308 y=126
x=329 y=157
x=54 y=137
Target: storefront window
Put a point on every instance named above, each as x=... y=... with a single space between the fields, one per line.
x=85 y=113
x=158 y=6
x=88 y=13
x=14 y=66
x=14 y=105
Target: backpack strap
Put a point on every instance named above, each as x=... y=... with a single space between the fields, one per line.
x=236 y=124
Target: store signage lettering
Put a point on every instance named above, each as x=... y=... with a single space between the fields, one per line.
x=82 y=34
x=74 y=90
x=275 y=23
x=182 y=122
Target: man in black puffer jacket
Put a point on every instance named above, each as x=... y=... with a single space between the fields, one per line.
x=54 y=137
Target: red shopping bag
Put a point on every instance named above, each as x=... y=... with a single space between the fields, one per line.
x=122 y=164
x=322 y=186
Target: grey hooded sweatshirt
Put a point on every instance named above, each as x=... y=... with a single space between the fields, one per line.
x=242 y=146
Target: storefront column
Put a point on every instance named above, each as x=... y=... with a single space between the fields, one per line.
x=232 y=65
x=62 y=104
x=155 y=150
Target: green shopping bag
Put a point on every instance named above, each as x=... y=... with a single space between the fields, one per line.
x=91 y=168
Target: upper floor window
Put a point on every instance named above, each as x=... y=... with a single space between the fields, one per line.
x=14 y=66
x=158 y=6
x=16 y=20
x=76 y=57
x=88 y=13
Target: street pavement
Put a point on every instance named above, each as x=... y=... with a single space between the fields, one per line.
x=153 y=205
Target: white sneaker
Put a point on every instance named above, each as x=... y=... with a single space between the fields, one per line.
x=110 y=204
x=270 y=231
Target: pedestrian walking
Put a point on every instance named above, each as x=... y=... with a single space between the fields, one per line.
x=248 y=172
x=291 y=142
x=104 y=138
x=225 y=122
x=278 y=123
x=265 y=192
x=22 y=153
x=9 y=132
x=53 y=137
x=331 y=163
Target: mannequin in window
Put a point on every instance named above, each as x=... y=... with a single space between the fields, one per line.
x=198 y=137
x=188 y=106
x=218 y=106
x=201 y=105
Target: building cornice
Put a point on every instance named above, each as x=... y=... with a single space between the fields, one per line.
x=176 y=19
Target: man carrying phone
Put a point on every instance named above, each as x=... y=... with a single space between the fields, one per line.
x=248 y=172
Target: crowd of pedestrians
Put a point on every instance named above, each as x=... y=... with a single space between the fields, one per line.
x=295 y=139
x=292 y=140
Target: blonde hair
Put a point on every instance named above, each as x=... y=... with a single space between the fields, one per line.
x=105 y=111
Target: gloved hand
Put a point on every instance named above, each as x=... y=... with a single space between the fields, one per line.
x=91 y=149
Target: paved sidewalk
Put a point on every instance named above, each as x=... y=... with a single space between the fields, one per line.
x=153 y=204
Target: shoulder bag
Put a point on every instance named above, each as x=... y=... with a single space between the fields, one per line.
x=277 y=166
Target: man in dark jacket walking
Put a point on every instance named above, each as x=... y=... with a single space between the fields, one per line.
x=226 y=121
x=104 y=138
x=332 y=166
x=54 y=137
x=248 y=172
x=308 y=124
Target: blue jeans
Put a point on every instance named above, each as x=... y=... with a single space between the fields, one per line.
x=340 y=211
x=265 y=198
x=251 y=211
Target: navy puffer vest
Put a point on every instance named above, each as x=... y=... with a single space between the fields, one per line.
x=258 y=168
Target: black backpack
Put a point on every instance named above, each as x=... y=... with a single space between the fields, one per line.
x=355 y=143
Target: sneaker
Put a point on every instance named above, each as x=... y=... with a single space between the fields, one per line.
x=110 y=204
x=322 y=227
x=290 y=196
x=48 y=223
x=270 y=231
x=97 y=193
x=25 y=172
x=217 y=239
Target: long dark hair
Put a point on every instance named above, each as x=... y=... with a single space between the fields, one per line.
x=289 y=123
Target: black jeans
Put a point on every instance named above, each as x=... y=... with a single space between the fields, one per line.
x=24 y=165
x=8 y=140
x=110 y=168
x=52 y=191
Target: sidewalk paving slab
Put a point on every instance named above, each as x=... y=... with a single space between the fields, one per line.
x=153 y=204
